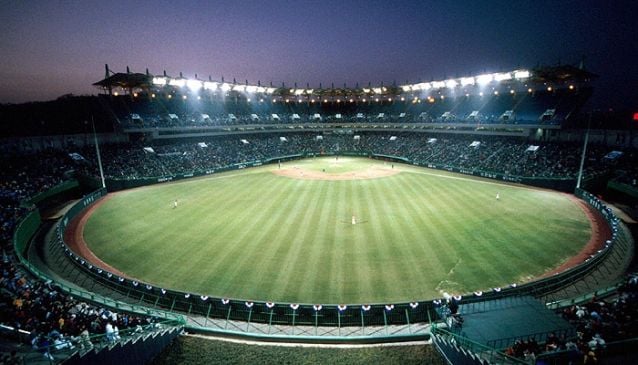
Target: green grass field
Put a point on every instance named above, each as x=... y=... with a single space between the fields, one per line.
x=251 y=234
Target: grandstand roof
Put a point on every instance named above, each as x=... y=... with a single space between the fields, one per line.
x=562 y=73
x=125 y=80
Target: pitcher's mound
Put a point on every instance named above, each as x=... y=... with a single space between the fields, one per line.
x=373 y=172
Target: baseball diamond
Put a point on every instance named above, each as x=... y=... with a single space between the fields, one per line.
x=284 y=233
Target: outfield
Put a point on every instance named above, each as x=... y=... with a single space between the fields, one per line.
x=254 y=234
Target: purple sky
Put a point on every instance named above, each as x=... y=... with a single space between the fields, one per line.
x=50 y=48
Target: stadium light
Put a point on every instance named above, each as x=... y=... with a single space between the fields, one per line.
x=177 y=82
x=270 y=90
x=406 y=88
x=465 y=81
x=239 y=88
x=522 y=74
x=194 y=85
x=377 y=90
x=209 y=85
x=261 y=89
x=251 y=89
x=309 y=91
x=438 y=84
x=502 y=76
x=451 y=84
x=484 y=79
x=225 y=87
x=159 y=81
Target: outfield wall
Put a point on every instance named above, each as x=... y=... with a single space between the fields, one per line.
x=318 y=314
x=560 y=184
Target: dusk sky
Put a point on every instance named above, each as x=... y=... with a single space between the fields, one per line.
x=51 y=48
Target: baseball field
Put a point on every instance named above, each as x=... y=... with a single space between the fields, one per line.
x=327 y=230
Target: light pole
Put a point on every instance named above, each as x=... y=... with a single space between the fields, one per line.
x=97 y=150
x=582 y=157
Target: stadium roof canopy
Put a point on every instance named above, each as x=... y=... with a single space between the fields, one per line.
x=125 y=81
x=562 y=73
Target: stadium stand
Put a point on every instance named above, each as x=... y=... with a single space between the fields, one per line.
x=156 y=132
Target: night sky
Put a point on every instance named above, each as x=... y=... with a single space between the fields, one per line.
x=51 y=48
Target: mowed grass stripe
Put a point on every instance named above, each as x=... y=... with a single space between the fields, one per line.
x=254 y=235
x=315 y=261
x=251 y=218
x=302 y=229
x=242 y=267
x=416 y=217
x=393 y=268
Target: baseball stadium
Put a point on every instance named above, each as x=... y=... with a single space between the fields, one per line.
x=468 y=220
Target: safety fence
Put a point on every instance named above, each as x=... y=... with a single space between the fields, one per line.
x=165 y=303
x=562 y=184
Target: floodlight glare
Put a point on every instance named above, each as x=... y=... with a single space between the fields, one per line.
x=484 y=79
x=309 y=91
x=438 y=84
x=177 y=82
x=503 y=76
x=467 y=81
x=194 y=85
x=367 y=91
x=209 y=85
x=251 y=89
x=225 y=87
x=298 y=91
x=239 y=88
x=160 y=81
x=270 y=90
x=261 y=89
x=522 y=74
x=406 y=88
x=377 y=90
x=451 y=84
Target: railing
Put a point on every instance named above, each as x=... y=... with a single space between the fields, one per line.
x=309 y=314
x=557 y=183
x=23 y=233
x=63 y=348
x=490 y=354
x=164 y=303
